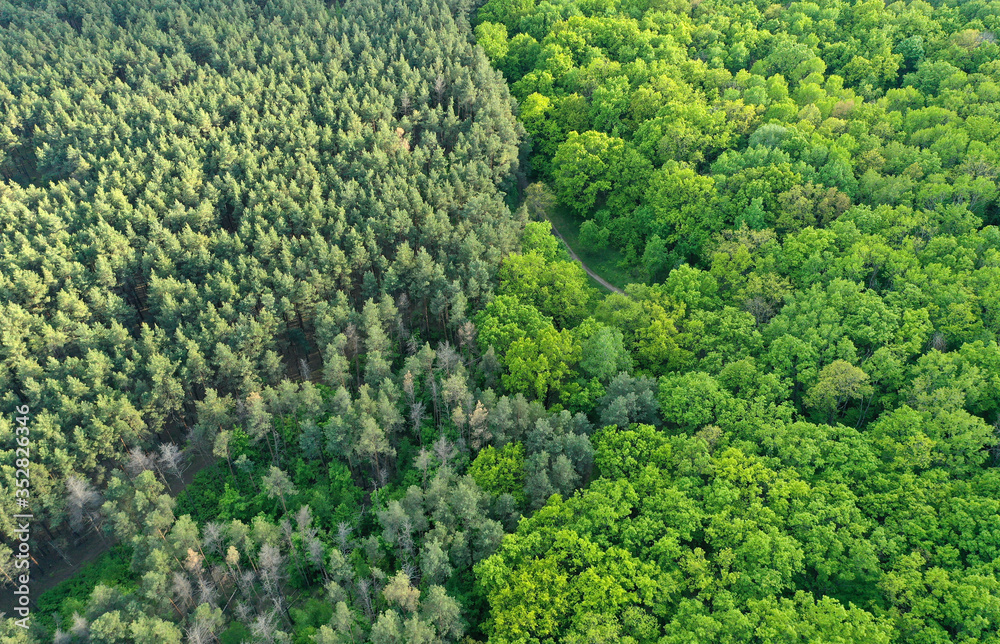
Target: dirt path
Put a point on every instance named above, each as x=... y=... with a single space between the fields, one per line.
x=56 y=569
x=600 y=280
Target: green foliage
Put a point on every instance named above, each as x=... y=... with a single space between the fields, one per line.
x=647 y=318
x=564 y=572
x=838 y=383
x=309 y=618
x=500 y=471
x=558 y=289
x=539 y=240
x=603 y=354
x=235 y=634
x=493 y=39
x=289 y=232
x=508 y=12
x=198 y=267
x=55 y=607
x=592 y=167
x=542 y=363
x=687 y=121
x=506 y=320
x=593 y=237
x=622 y=452
x=233 y=229
x=201 y=498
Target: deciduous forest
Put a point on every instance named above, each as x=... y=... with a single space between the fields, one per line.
x=305 y=362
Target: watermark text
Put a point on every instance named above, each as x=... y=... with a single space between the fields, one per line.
x=22 y=533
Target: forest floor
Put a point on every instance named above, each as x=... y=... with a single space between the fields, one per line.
x=89 y=549
x=568 y=231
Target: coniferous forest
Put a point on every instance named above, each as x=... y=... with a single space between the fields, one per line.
x=289 y=352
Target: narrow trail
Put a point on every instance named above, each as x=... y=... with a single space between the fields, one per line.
x=600 y=280
x=88 y=548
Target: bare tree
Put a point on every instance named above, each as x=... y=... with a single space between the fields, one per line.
x=281 y=605
x=80 y=628
x=243 y=612
x=447 y=357
x=271 y=561
x=287 y=530
x=406 y=536
x=411 y=571
x=467 y=338
x=138 y=462
x=200 y=633
x=434 y=401
x=317 y=555
x=344 y=536
x=264 y=627
x=172 y=459
x=246 y=581
x=364 y=596
x=423 y=463
x=444 y=450
x=382 y=476
x=81 y=499
x=182 y=590
x=206 y=591
x=417 y=415
x=408 y=387
x=439 y=85
x=212 y=537
x=478 y=426
x=303 y=518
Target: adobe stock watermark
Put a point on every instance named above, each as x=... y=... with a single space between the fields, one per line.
x=22 y=534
